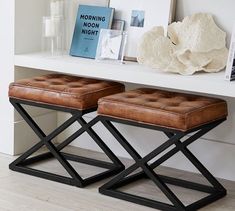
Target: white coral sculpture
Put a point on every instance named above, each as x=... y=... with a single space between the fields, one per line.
x=193 y=45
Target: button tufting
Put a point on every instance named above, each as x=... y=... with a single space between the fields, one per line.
x=64 y=90
x=152 y=100
x=56 y=83
x=39 y=79
x=163 y=108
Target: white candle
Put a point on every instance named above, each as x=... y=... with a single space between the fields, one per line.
x=49 y=28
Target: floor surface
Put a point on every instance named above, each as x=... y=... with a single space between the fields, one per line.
x=22 y=192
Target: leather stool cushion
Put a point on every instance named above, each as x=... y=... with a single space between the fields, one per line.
x=163 y=108
x=64 y=90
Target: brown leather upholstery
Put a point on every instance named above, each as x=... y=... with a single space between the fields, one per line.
x=163 y=108
x=64 y=90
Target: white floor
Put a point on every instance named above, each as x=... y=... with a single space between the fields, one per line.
x=22 y=193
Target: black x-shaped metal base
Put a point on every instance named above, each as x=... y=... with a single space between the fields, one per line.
x=215 y=191
x=22 y=163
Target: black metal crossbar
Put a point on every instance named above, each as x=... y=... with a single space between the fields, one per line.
x=22 y=163
x=215 y=190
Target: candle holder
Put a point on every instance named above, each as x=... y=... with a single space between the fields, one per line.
x=53 y=29
x=53 y=35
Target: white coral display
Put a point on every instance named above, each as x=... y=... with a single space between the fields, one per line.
x=195 y=44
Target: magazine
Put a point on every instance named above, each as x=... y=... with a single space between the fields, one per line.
x=230 y=68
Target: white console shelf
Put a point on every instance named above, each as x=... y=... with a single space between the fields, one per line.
x=130 y=72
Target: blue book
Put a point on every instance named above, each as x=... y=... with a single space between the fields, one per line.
x=90 y=19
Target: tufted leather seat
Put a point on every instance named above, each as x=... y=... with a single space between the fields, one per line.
x=64 y=90
x=163 y=108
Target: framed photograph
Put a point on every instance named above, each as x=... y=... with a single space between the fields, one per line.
x=111 y=45
x=141 y=16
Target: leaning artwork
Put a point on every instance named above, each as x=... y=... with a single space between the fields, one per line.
x=140 y=17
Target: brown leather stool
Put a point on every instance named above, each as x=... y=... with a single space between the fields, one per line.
x=178 y=116
x=71 y=94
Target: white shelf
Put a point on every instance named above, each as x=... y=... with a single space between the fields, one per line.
x=206 y=83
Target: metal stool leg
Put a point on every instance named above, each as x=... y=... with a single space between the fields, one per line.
x=215 y=192
x=21 y=163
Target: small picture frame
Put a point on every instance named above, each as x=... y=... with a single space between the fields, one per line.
x=141 y=16
x=137 y=18
x=111 y=45
x=118 y=24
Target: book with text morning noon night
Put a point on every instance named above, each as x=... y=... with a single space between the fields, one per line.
x=90 y=19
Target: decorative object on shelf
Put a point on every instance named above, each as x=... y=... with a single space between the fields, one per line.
x=111 y=45
x=90 y=19
x=140 y=16
x=193 y=45
x=53 y=33
x=230 y=69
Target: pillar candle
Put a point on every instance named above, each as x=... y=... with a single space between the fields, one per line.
x=49 y=28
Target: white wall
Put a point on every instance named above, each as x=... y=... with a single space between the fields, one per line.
x=7 y=74
x=27 y=40
x=222 y=10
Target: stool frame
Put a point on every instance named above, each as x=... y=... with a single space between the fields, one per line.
x=215 y=191
x=22 y=162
